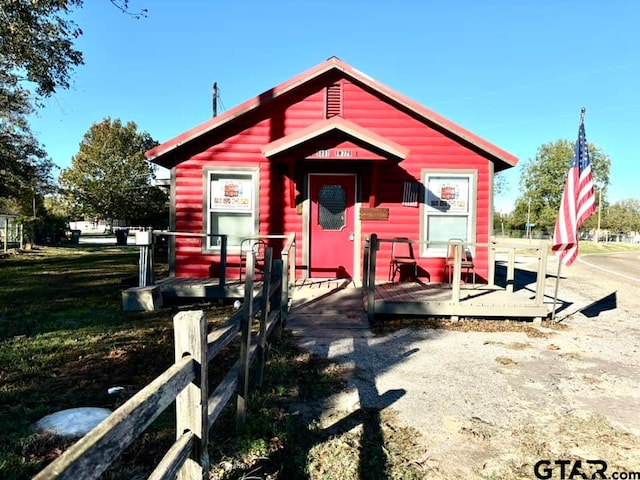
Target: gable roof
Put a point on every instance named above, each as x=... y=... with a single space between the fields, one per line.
x=336 y=124
x=167 y=154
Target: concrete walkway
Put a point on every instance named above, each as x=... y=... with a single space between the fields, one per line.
x=327 y=318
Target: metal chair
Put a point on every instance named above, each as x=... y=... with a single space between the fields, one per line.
x=402 y=256
x=466 y=262
x=252 y=245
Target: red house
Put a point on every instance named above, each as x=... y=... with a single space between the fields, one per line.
x=333 y=156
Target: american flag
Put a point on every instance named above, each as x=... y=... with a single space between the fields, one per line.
x=578 y=202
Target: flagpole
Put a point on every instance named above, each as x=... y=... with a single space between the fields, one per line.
x=555 y=295
x=583 y=110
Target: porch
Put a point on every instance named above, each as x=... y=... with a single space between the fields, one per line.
x=503 y=296
x=152 y=294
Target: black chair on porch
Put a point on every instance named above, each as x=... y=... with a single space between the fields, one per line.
x=401 y=258
x=252 y=245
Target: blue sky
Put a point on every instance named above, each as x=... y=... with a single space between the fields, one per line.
x=515 y=73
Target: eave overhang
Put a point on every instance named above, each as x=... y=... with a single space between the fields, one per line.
x=337 y=125
x=172 y=152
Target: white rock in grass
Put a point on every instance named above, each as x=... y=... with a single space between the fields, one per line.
x=74 y=422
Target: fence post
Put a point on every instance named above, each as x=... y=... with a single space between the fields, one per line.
x=284 y=293
x=492 y=262
x=190 y=331
x=365 y=262
x=542 y=273
x=6 y=234
x=245 y=343
x=223 y=260
x=371 y=281
x=264 y=315
x=457 y=273
x=511 y=266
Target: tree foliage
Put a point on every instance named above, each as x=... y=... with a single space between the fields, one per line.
x=623 y=216
x=37 y=57
x=542 y=182
x=109 y=177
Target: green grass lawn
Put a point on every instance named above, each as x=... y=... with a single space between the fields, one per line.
x=607 y=247
x=64 y=340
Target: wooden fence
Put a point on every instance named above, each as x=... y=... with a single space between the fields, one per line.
x=186 y=383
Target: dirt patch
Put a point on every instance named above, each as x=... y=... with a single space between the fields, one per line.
x=490 y=399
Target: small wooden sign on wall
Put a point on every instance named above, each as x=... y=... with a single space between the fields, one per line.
x=380 y=214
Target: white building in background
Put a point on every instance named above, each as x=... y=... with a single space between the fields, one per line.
x=88 y=226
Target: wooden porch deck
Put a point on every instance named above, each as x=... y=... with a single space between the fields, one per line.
x=437 y=299
x=495 y=299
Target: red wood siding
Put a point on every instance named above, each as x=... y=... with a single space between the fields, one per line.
x=240 y=145
x=429 y=149
x=243 y=150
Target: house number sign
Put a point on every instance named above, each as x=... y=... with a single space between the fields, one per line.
x=332 y=153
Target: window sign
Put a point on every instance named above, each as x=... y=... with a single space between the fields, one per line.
x=231 y=194
x=448 y=194
x=231 y=208
x=449 y=212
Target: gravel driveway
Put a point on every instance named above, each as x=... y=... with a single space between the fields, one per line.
x=490 y=404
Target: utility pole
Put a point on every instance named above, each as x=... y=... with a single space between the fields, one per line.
x=215 y=99
x=528 y=226
x=599 y=215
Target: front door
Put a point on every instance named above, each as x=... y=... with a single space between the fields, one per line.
x=331 y=233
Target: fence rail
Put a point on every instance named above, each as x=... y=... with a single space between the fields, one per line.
x=372 y=245
x=186 y=383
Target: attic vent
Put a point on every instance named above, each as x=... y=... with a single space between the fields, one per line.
x=334 y=100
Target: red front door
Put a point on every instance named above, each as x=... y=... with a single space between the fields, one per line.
x=331 y=234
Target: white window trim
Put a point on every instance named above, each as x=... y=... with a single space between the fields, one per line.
x=426 y=210
x=208 y=172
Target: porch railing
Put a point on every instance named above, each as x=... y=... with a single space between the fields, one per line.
x=372 y=246
x=146 y=240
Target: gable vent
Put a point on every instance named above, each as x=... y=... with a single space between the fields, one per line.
x=334 y=100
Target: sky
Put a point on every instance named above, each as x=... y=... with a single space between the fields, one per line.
x=515 y=73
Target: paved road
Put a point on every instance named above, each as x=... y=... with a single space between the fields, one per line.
x=621 y=265
x=597 y=276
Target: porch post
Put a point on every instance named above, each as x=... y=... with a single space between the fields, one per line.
x=292 y=184
x=511 y=266
x=374 y=184
x=371 y=280
x=492 y=262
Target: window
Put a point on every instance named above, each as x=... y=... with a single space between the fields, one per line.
x=331 y=207
x=449 y=209
x=231 y=206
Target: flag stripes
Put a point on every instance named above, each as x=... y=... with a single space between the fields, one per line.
x=577 y=204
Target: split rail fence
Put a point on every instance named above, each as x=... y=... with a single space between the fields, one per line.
x=186 y=382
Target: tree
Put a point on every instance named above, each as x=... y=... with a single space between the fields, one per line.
x=500 y=185
x=110 y=178
x=542 y=183
x=623 y=216
x=37 y=57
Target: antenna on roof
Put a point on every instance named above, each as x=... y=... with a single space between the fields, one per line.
x=215 y=99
